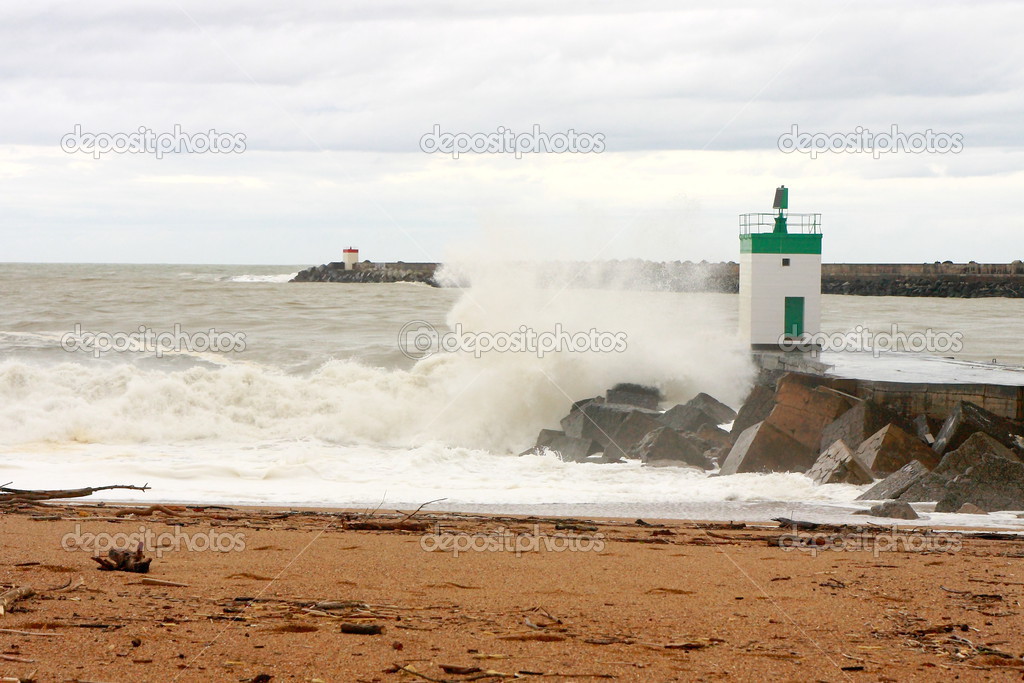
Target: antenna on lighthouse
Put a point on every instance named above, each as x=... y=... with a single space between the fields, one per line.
x=782 y=204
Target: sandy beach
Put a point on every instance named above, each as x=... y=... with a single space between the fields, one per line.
x=454 y=600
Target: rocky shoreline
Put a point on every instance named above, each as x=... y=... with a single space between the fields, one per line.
x=944 y=280
x=336 y=272
x=967 y=459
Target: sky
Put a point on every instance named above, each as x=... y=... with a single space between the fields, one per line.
x=692 y=112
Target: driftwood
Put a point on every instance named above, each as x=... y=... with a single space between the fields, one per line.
x=160 y=582
x=388 y=525
x=362 y=629
x=8 y=495
x=12 y=596
x=146 y=511
x=124 y=561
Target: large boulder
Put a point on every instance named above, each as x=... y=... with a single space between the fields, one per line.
x=803 y=412
x=666 y=446
x=636 y=395
x=568 y=448
x=630 y=432
x=896 y=483
x=892 y=509
x=967 y=418
x=715 y=437
x=890 y=448
x=763 y=447
x=982 y=472
x=598 y=421
x=838 y=465
x=687 y=418
x=713 y=407
x=756 y=407
x=979 y=444
x=856 y=425
x=578 y=405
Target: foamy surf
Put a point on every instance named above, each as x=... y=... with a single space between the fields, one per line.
x=283 y=277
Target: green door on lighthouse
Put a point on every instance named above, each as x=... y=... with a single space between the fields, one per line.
x=794 y=316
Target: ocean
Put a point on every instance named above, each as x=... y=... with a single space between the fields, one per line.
x=308 y=398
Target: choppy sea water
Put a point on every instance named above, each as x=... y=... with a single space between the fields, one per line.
x=319 y=406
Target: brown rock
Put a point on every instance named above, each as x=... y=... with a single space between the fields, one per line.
x=765 y=448
x=838 y=465
x=970 y=509
x=856 y=425
x=803 y=412
x=890 y=448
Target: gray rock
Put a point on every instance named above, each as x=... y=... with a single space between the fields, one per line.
x=577 y=405
x=896 y=483
x=686 y=418
x=630 y=432
x=967 y=418
x=667 y=445
x=711 y=406
x=636 y=395
x=838 y=465
x=893 y=509
x=568 y=448
x=979 y=472
x=714 y=436
x=598 y=421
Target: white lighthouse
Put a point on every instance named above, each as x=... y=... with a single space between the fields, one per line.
x=350 y=257
x=780 y=275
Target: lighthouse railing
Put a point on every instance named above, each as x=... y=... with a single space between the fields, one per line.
x=796 y=223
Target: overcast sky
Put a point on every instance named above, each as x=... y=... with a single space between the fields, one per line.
x=333 y=100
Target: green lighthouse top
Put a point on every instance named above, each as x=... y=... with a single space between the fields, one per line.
x=782 y=232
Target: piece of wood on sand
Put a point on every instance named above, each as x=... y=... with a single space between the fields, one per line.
x=124 y=561
x=12 y=596
x=8 y=495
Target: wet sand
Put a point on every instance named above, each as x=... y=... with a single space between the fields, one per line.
x=583 y=600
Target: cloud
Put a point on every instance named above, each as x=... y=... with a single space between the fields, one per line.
x=333 y=100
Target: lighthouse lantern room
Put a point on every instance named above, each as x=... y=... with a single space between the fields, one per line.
x=780 y=275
